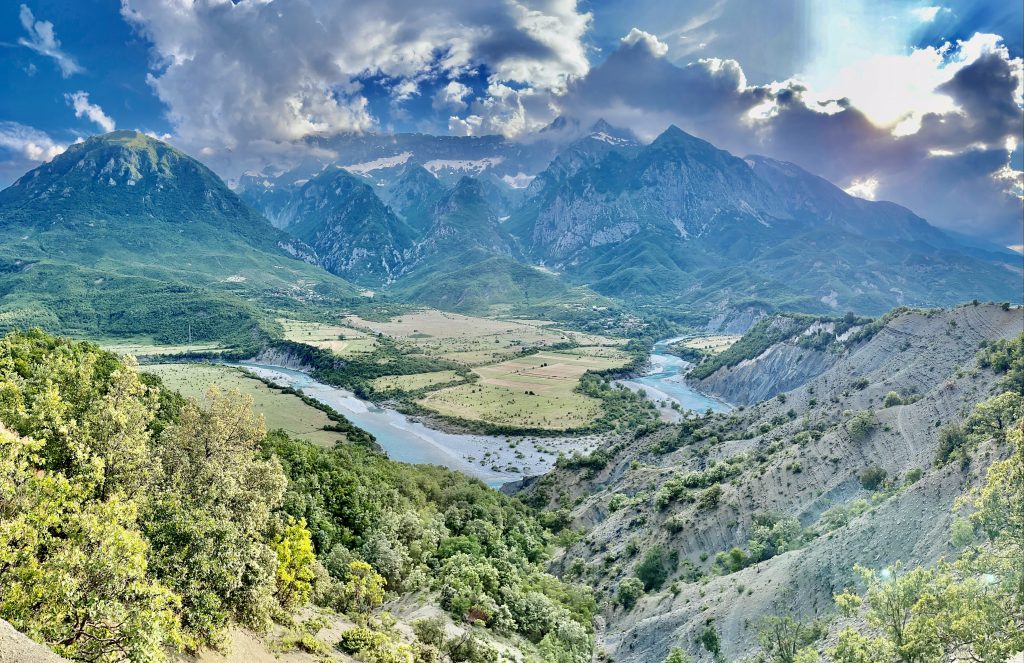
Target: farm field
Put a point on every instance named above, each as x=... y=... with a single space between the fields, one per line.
x=713 y=344
x=470 y=340
x=344 y=341
x=280 y=410
x=535 y=391
x=142 y=346
x=416 y=381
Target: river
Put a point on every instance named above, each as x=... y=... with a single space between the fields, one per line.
x=665 y=381
x=409 y=441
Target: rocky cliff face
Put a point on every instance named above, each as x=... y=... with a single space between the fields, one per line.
x=791 y=458
x=16 y=647
x=780 y=368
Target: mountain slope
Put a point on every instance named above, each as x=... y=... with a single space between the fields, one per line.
x=711 y=484
x=720 y=229
x=354 y=234
x=461 y=225
x=126 y=209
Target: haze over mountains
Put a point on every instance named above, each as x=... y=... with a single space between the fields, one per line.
x=471 y=223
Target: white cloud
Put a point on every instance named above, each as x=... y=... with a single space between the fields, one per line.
x=652 y=43
x=896 y=91
x=27 y=142
x=453 y=96
x=863 y=188
x=926 y=14
x=43 y=40
x=80 y=102
x=267 y=75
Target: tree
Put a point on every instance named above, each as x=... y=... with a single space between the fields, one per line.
x=208 y=514
x=891 y=399
x=364 y=589
x=872 y=477
x=73 y=573
x=677 y=655
x=294 y=565
x=630 y=590
x=783 y=638
x=655 y=568
x=860 y=425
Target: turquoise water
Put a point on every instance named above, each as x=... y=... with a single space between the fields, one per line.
x=404 y=440
x=666 y=377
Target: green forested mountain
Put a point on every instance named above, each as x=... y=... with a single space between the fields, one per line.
x=680 y=220
x=122 y=228
x=677 y=222
x=354 y=234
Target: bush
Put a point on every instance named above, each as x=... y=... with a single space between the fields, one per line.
x=872 y=477
x=951 y=439
x=891 y=399
x=709 y=639
x=630 y=590
x=860 y=425
x=655 y=568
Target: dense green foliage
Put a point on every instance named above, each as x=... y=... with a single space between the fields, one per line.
x=133 y=522
x=430 y=528
x=169 y=515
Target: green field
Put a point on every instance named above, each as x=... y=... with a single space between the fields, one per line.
x=148 y=347
x=416 y=381
x=473 y=341
x=280 y=410
x=534 y=391
x=343 y=341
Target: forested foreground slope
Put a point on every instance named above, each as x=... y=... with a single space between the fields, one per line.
x=714 y=533
x=135 y=524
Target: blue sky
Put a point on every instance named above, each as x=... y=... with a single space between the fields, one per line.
x=877 y=95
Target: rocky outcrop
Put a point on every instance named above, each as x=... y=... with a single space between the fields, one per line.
x=780 y=368
x=16 y=647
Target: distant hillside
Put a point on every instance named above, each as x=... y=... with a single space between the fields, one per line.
x=677 y=223
x=125 y=234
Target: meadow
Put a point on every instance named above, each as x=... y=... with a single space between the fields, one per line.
x=713 y=344
x=531 y=391
x=472 y=341
x=280 y=410
x=145 y=346
x=343 y=341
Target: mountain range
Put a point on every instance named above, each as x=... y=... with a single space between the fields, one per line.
x=466 y=224
x=676 y=222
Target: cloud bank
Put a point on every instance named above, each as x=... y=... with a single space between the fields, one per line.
x=936 y=128
x=271 y=73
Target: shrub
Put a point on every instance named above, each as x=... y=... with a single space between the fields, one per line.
x=872 y=477
x=860 y=425
x=891 y=399
x=951 y=439
x=630 y=590
x=709 y=639
x=656 y=566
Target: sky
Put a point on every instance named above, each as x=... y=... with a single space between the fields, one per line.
x=918 y=102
